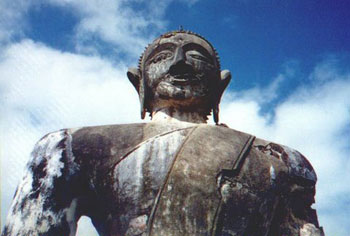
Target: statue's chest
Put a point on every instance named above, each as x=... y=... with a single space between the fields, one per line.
x=139 y=177
x=188 y=181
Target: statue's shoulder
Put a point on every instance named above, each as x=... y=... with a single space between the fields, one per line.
x=107 y=130
x=298 y=165
x=223 y=132
x=120 y=136
x=65 y=137
x=102 y=141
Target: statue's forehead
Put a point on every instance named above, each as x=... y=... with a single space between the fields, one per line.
x=182 y=39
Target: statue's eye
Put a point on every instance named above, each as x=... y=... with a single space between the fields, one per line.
x=198 y=56
x=162 y=56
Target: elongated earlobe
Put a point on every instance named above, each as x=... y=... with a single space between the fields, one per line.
x=135 y=78
x=225 y=80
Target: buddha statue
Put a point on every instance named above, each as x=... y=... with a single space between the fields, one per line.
x=176 y=175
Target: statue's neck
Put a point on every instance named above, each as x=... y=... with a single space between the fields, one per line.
x=174 y=115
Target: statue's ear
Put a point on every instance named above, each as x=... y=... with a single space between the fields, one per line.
x=225 y=78
x=134 y=77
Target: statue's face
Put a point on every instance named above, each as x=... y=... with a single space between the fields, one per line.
x=180 y=70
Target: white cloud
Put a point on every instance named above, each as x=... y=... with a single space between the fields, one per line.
x=326 y=70
x=45 y=90
x=263 y=94
x=11 y=24
x=117 y=22
x=126 y=26
x=189 y=2
x=268 y=92
x=315 y=120
x=85 y=227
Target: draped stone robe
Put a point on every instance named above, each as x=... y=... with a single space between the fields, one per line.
x=164 y=179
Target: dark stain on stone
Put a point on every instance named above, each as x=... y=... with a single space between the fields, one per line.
x=272 y=149
x=38 y=172
x=58 y=231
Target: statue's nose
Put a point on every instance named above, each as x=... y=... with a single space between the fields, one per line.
x=179 y=56
x=179 y=65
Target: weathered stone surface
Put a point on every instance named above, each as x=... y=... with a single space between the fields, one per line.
x=310 y=229
x=190 y=196
x=179 y=74
x=178 y=176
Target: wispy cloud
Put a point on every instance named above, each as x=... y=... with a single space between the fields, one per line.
x=44 y=90
x=11 y=19
x=124 y=24
x=127 y=26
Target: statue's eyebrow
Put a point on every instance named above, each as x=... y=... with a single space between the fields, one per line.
x=161 y=47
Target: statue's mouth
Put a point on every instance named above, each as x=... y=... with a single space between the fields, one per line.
x=182 y=74
x=183 y=79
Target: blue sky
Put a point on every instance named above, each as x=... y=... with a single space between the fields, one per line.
x=253 y=37
x=63 y=64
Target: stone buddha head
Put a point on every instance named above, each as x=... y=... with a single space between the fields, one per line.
x=180 y=71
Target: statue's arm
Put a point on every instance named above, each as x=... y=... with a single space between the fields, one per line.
x=298 y=216
x=46 y=199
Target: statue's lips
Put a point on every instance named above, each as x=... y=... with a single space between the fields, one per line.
x=185 y=79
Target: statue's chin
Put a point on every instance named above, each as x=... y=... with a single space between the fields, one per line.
x=166 y=90
x=186 y=98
